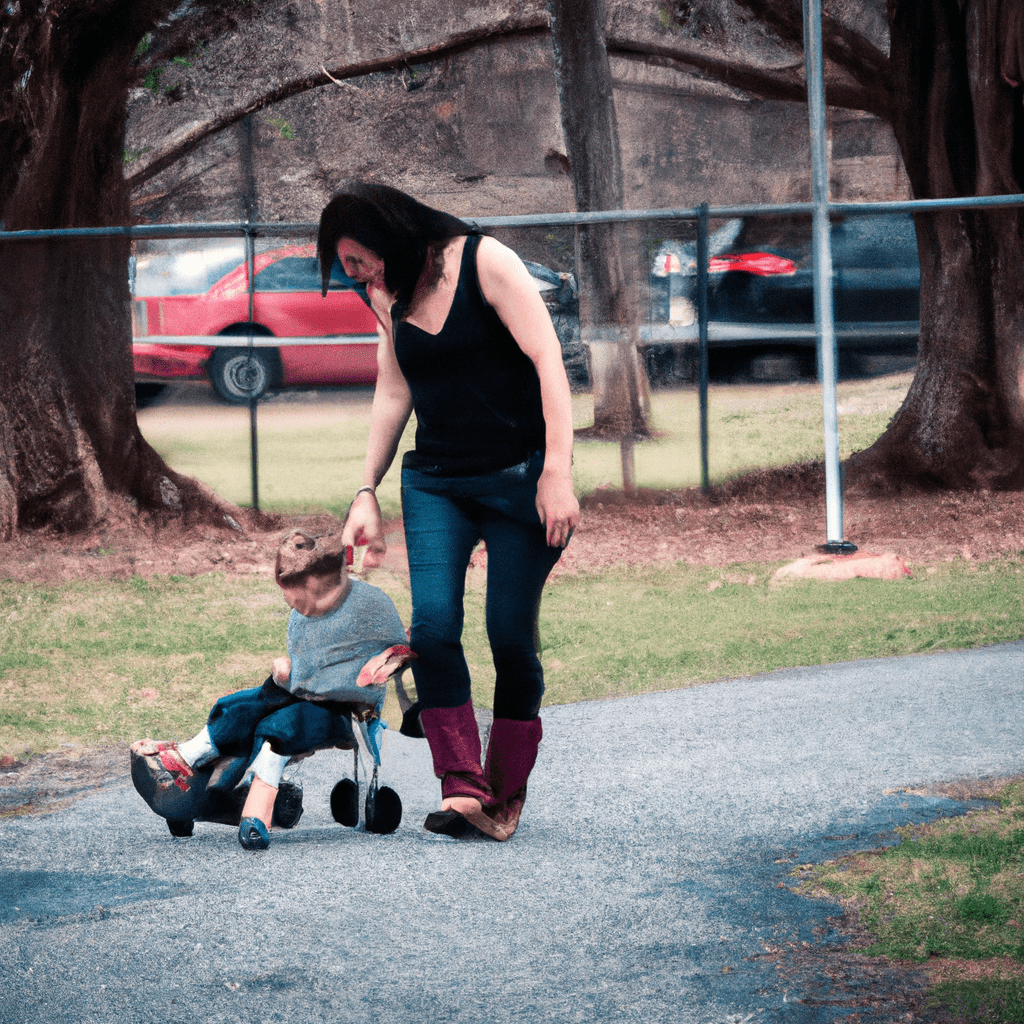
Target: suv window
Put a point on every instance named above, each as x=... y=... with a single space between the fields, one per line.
x=880 y=242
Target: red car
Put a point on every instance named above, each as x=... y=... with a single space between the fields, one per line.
x=323 y=341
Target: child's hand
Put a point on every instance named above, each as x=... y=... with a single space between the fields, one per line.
x=281 y=670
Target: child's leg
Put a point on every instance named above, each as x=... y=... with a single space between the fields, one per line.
x=199 y=750
x=296 y=729
x=267 y=771
x=234 y=719
x=228 y=731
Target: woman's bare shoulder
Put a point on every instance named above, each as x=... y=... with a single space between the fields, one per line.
x=498 y=266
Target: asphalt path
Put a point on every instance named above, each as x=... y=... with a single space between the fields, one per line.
x=649 y=880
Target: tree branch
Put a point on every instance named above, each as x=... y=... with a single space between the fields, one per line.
x=191 y=138
x=770 y=83
x=848 y=50
x=857 y=74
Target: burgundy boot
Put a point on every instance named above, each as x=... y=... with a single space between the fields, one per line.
x=511 y=755
x=455 y=746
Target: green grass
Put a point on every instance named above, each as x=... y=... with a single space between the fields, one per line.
x=119 y=659
x=990 y=1001
x=689 y=625
x=748 y=427
x=952 y=889
x=314 y=462
x=309 y=460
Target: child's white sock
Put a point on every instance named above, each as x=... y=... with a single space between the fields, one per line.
x=199 y=750
x=268 y=766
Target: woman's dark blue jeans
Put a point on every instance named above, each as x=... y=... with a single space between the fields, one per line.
x=445 y=517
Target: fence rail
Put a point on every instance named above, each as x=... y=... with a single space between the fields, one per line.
x=281 y=229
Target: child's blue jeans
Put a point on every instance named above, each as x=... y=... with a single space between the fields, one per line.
x=239 y=723
x=445 y=517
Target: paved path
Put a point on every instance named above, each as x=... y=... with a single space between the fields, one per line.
x=642 y=886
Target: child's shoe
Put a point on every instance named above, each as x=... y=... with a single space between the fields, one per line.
x=253 y=834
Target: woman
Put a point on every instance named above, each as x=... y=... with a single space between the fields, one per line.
x=468 y=344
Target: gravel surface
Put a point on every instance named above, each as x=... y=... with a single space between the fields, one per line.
x=649 y=880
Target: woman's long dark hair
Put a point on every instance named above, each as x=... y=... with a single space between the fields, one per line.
x=401 y=230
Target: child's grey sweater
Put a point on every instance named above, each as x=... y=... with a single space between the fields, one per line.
x=327 y=651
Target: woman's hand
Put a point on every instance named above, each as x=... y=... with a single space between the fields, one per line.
x=557 y=506
x=364 y=527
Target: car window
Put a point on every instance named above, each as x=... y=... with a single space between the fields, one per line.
x=299 y=274
x=183 y=272
x=292 y=274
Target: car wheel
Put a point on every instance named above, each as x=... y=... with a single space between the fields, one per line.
x=240 y=374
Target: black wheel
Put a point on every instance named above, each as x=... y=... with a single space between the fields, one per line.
x=147 y=394
x=345 y=803
x=181 y=828
x=288 y=805
x=383 y=811
x=239 y=374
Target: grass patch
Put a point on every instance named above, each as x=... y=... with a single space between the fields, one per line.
x=117 y=660
x=952 y=889
x=311 y=458
x=988 y=1001
x=120 y=659
x=738 y=624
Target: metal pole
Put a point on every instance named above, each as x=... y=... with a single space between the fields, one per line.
x=250 y=259
x=702 y=328
x=824 y=313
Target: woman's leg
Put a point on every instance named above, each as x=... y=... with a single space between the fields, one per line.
x=439 y=537
x=518 y=564
x=440 y=534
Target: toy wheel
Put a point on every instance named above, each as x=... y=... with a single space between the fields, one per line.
x=345 y=803
x=181 y=828
x=383 y=811
x=288 y=805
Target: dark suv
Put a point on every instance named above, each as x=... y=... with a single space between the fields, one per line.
x=761 y=319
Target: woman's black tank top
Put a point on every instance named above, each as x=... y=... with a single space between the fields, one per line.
x=475 y=392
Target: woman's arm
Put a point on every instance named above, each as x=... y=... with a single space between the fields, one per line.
x=392 y=406
x=506 y=284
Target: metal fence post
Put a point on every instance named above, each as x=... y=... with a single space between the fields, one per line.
x=250 y=258
x=824 y=308
x=702 y=349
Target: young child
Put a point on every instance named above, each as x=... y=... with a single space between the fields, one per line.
x=345 y=639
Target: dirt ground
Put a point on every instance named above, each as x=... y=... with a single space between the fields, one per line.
x=770 y=516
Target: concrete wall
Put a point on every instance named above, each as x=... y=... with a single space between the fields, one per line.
x=480 y=135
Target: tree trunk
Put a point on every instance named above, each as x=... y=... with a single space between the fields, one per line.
x=960 y=126
x=607 y=277
x=71 y=455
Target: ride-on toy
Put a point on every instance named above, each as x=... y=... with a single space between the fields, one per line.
x=217 y=791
